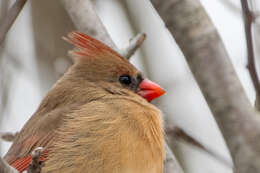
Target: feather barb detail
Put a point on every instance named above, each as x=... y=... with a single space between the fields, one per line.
x=87 y=46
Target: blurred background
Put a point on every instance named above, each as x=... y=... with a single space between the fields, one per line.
x=34 y=56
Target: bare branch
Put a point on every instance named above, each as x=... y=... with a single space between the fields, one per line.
x=180 y=135
x=134 y=44
x=5 y=168
x=206 y=55
x=36 y=164
x=171 y=164
x=231 y=6
x=8 y=136
x=85 y=18
x=248 y=20
x=10 y=18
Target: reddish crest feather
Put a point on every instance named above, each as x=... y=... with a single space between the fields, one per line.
x=22 y=164
x=87 y=46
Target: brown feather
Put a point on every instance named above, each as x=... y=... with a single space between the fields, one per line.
x=89 y=122
x=113 y=134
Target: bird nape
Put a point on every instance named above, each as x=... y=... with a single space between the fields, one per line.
x=96 y=118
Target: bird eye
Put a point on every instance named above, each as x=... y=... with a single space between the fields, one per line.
x=125 y=79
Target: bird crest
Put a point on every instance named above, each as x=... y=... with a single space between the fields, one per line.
x=87 y=46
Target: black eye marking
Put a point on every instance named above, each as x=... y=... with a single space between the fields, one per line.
x=125 y=79
x=139 y=78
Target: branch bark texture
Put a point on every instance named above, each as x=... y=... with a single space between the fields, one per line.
x=10 y=18
x=86 y=20
x=5 y=168
x=248 y=21
x=8 y=136
x=171 y=165
x=179 y=135
x=206 y=55
x=133 y=45
x=36 y=163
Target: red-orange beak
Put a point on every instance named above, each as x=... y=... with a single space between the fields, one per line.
x=150 y=90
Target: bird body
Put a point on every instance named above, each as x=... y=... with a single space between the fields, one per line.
x=95 y=118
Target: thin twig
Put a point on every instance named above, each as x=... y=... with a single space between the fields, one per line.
x=181 y=136
x=171 y=164
x=10 y=18
x=5 y=168
x=86 y=20
x=248 y=20
x=36 y=164
x=134 y=44
x=8 y=136
x=230 y=5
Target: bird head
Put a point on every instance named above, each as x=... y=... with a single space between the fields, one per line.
x=98 y=63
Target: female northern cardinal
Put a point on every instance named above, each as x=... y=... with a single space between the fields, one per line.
x=96 y=118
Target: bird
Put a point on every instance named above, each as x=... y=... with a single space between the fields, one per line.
x=97 y=118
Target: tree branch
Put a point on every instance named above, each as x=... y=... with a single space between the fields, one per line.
x=171 y=164
x=86 y=20
x=206 y=55
x=10 y=18
x=5 y=168
x=180 y=135
x=133 y=45
x=8 y=136
x=248 y=20
x=6 y=24
x=36 y=164
x=230 y=5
